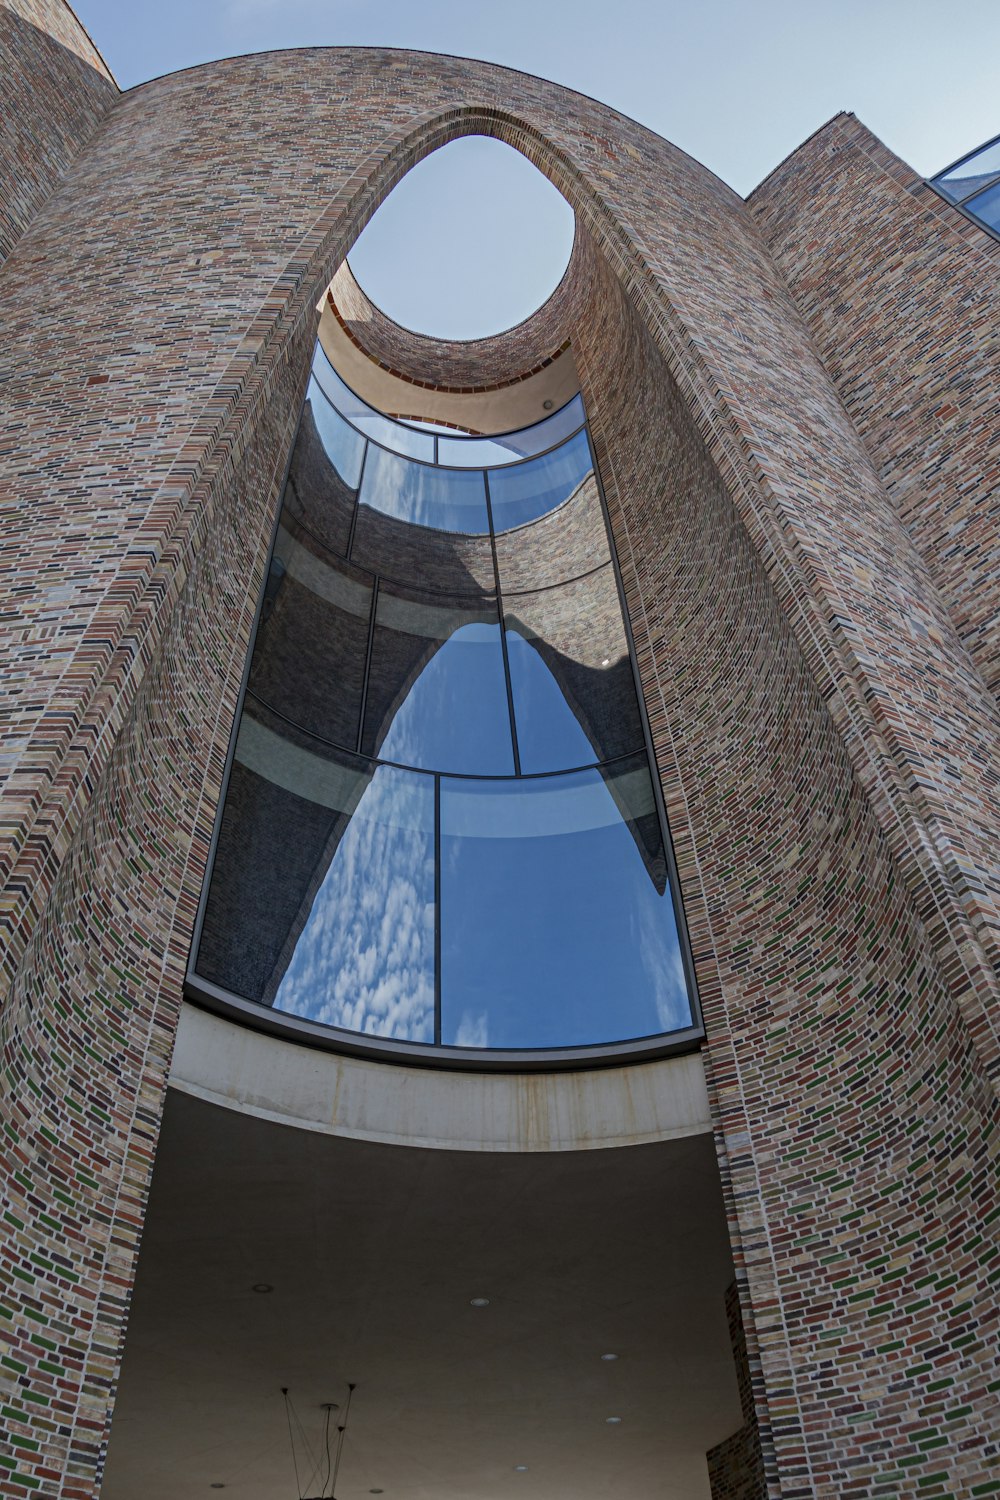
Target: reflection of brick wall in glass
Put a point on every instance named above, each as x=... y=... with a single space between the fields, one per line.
x=424 y=620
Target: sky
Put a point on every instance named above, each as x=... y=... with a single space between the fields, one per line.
x=737 y=83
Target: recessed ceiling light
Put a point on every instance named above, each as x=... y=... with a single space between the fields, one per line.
x=520 y=1468
x=480 y=1302
x=613 y=1421
x=609 y=1356
x=547 y=405
x=262 y=1286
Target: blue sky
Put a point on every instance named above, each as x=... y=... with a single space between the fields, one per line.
x=737 y=83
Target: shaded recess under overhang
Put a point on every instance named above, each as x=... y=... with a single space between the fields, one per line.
x=375 y=1252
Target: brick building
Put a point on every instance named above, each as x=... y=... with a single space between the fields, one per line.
x=766 y=1231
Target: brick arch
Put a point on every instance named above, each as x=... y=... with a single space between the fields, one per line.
x=836 y=875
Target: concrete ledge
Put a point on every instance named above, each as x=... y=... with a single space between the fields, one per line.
x=225 y=1063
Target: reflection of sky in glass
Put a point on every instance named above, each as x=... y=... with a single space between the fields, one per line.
x=533 y=489
x=549 y=735
x=968 y=174
x=414 y=438
x=343 y=447
x=365 y=957
x=552 y=932
x=442 y=499
x=470 y=453
x=551 y=928
x=986 y=206
x=455 y=716
x=372 y=423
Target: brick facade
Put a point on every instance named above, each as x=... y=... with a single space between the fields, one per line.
x=736 y=1467
x=897 y=290
x=56 y=91
x=826 y=742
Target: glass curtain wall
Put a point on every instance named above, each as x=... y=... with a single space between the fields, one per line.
x=973 y=184
x=440 y=824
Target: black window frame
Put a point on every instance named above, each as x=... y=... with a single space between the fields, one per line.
x=292 y=1027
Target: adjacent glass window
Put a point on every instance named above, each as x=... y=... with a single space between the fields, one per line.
x=440 y=445
x=309 y=659
x=571 y=674
x=440 y=824
x=974 y=184
x=399 y=436
x=344 y=447
x=471 y=452
x=970 y=174
x=986 y=207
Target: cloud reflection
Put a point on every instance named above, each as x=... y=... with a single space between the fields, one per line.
x=365 y=958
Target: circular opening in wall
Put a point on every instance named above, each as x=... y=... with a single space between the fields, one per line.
x=469 y=243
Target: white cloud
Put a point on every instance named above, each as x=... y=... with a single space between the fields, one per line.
x=365 y=958
x=473 y=1031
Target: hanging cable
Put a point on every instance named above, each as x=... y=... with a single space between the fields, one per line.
x=326 y=1444
x=340 y=1441
x=291 y=1441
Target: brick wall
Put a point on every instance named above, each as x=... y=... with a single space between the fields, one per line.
x=736 y=1467
x=466 y=365
x=827 y=748
x=899 y=294
x=56 y=90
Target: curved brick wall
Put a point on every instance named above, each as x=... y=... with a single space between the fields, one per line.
x=56 y=90
x=820 y=1023
x=828 y=750
x=463 y=365
x=899 y=292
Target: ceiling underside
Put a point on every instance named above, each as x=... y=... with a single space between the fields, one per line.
x=374 y=1254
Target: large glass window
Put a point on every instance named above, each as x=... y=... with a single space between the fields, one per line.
x=440 y=825
x=529 y=490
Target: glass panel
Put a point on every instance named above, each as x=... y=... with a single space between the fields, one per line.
x=322 y=895
x=532 y=489
x=557 y=924
x=987 y=207
x=565 y=544
x=571 y=676
x=372 y=423
x=309 y=657
x=343 y=446
x=318 y=494
x=972 y=173
x=474 y=453
x=444 y=499
x=445 y=561
x=437 y=696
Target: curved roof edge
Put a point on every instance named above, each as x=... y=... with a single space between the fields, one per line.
x=237 y=1068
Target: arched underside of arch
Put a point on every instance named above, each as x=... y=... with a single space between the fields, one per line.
x=836 y=878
